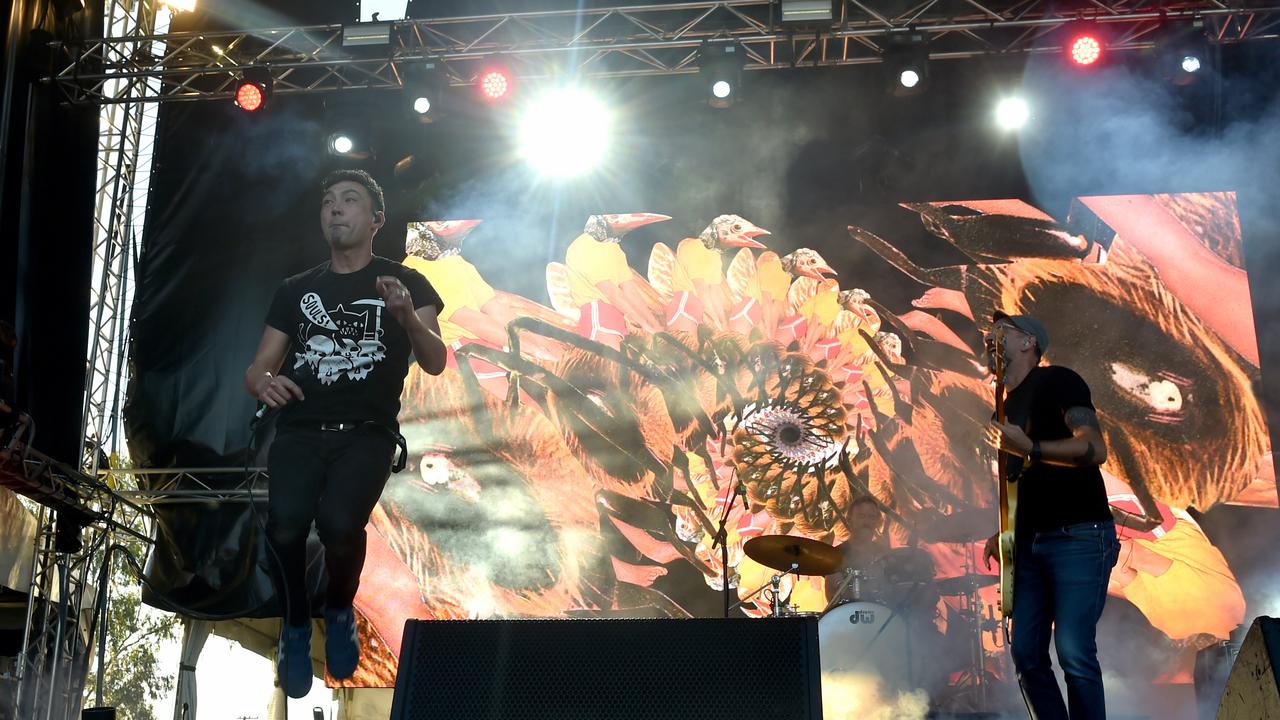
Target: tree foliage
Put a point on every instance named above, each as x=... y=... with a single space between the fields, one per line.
x=134 y=678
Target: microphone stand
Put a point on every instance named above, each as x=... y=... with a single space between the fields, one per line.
x=722 y=539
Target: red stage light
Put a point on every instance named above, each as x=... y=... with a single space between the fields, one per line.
x=1085 y=50
x=495 y=84
x=249 y=96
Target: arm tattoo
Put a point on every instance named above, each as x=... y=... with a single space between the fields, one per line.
x=1078 y=417
x=1087 y=457
x=1082 y=417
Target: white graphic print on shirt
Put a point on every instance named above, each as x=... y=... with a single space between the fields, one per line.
x=340 y=342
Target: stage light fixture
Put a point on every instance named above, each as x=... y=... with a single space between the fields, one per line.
x=352 y=125
x=720 y=64
x=341 y=143
x=363 y=34
x=495 y=84
x=1084 y=44
x=349 y=144
x=1182 y=51
x=808 y=12
x=1012 y=113
x=423 y=87
x=565 y=132
x=254 y=89
x=906 y=58
x=179 y=5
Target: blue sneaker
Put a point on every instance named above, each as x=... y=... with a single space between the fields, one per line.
x=293 y=660
x=341 y=642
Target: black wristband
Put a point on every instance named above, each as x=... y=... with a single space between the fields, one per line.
x=1034 y=457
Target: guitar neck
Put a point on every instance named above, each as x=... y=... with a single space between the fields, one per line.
x=1002 y=464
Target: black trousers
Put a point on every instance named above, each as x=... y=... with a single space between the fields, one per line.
x=333 y=479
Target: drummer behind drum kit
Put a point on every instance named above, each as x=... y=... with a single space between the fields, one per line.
x=879 y=621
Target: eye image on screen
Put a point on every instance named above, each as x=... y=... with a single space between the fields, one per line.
x=578 y=456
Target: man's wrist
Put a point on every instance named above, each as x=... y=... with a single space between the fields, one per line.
x=262 y=382
x=408 y=318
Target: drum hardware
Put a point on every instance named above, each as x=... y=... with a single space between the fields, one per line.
x=775 y=603
x=967 y=584
x=976 y=618
x=852 y=578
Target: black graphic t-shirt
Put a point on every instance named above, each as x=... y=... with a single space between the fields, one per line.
x=347 y=353
x=1053 y=496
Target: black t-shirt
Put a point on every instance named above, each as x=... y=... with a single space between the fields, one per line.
x=1053 y=496
x=348 y=354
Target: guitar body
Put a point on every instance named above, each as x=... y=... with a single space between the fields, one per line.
x=1008 y=510
x=1008 y=494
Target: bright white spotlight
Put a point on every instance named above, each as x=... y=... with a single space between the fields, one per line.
x=909 y=78
x=1012 y=113
x=721 y=89
x=565 y=132
x=422 y=105
x=342 y=144
x=1190 y=63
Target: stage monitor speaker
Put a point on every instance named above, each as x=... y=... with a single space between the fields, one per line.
x=609 y=669
x=1253 y=687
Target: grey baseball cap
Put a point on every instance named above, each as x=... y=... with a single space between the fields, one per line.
x=1026 y=324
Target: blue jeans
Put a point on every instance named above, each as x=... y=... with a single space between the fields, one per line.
x=1059 y=587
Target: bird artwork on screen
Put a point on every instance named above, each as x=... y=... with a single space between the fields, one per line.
x=604 y=454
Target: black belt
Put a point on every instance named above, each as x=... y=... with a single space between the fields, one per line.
x=397 y=438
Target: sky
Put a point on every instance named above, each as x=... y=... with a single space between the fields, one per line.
x=234 y=683
x=388 y=9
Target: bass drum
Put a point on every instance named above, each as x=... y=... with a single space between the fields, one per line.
x=866 y=639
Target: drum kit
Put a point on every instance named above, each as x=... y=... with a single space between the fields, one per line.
x=879 y=620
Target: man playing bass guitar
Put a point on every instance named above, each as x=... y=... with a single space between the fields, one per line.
x=1065 y=540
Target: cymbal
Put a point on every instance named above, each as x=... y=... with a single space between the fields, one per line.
x=964 y=584
x=780 y=552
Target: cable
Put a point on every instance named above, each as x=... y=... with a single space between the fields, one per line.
x=254 y=427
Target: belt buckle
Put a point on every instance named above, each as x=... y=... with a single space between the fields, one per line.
x=336 y=426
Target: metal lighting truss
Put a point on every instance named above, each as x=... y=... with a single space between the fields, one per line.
x=126 y=134
x=656 y=39
x=67 y=600
x=140 y=64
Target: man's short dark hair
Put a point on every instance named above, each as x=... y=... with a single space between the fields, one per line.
x=359 y=177
x=864 y=500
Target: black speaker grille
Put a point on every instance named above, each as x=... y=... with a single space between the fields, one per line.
x=702 y=669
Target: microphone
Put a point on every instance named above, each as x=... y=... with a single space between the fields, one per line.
x=300 y=375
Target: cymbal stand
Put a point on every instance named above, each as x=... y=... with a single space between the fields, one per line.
x=775 y=605
x=976 y=674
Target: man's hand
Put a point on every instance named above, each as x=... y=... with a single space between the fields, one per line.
x=399 y=301
x=1009 y=438
x=277 y=391
x=991 y=551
